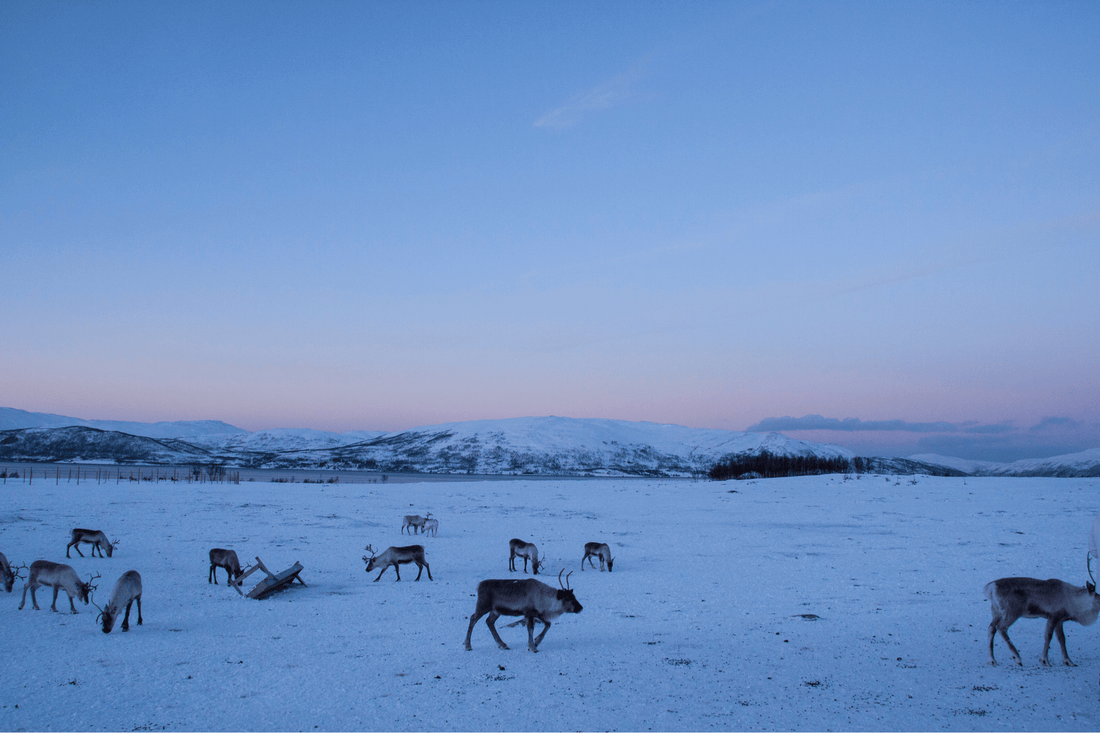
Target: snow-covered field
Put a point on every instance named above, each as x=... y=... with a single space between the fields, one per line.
x=810 y=603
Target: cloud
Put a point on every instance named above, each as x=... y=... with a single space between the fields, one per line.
x=850 y=424
x=1055 y=423
x=615 y=91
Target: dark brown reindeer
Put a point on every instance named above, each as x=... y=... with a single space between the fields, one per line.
x=600 y=550
x=8 y=574
x=1054 y=600
x=59 y=577
x=397 y=556
x=519 y=548
x=530 y=598
x=127 y=590
x=220 y=558
x=95 y=538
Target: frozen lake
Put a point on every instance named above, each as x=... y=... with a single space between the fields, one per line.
x=811 y=603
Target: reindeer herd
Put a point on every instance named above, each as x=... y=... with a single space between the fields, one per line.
x=1010 y=598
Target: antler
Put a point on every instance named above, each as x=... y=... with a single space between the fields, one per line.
x=91 y=578
x=369 y=549
x=114 y=543
x=15 y=571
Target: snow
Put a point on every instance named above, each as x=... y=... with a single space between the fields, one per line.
x=808 y=603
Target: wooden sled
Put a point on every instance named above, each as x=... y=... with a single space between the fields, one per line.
x=272 y=583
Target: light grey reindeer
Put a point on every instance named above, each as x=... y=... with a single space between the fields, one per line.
x=95 y=538
x=1054 y=600
x=519 y=548
x=530 y=598
x=415 y=521
x=220 y=558
x=8 y=574
x=397 y=556
x=59 y=577
x=600 y=550
x=127 y=590
x=432 y=526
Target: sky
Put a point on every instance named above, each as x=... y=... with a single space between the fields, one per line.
x=374 y=216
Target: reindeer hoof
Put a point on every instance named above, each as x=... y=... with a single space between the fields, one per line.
x=1068 y=663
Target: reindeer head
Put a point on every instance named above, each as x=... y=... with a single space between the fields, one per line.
x=569 y=602
x=610 y=562
x=369 y=560
x=111 y=545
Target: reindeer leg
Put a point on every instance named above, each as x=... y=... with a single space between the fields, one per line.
x=538 y=639
x=1047 y=633
x=478 y=613
x=126 y=618
x=419 y=570
x=380 y=574
x=992 y=638
x=34 y=601
x=531 y=645
x=53 y=606
x=76 y=546
x=210 y=576
x=67 y=550
x=397 y=569
x=138 y=599
x=1061 y=634
x=491 y=623
x=1011 y=647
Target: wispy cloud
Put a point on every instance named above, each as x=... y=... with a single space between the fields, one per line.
x=615 y=91
x=850 y=424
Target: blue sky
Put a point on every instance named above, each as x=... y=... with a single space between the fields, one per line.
x=381 y=215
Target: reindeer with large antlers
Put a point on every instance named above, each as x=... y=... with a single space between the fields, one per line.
x=95 y=538
x=8 y=574
x=59 y=577
x=530 y=598
x=397 y=556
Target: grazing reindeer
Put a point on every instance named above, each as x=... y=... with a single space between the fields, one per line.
x=7 y=574
x=1054 y=600
x=397 y=556
x=415 y=521
x=95 y=538
x=529 y=598
x=126 y=591
x=431 y=525
x=59 y=577
x=599 y=550
x=519 y=548
x=220 y=558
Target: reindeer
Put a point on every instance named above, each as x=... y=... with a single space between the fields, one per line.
x=1054 y=600
x=220 y=558
x=530 y=598
x=602 y=551
x=415 y=521
x=431 y=525
x=397 y=556
x=95 y=538
x=126 y=591
x=7 y=574
x=59 y=577
x=519 y=548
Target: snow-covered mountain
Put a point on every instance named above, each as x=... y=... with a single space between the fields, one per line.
x=515 y=446
x=518 y=446
x=13 y=419
x=1085 y=464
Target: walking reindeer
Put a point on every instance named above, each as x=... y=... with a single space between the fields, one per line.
x=519 y=548
x=8 y=574
x=127 y=590
x=95 y=538
x=530 y=598
x=397 y=556
x=600 y=550
x=59 y=577
x=1054 y=600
